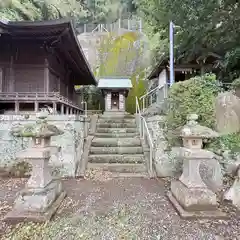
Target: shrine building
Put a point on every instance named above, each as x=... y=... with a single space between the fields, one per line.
x=115 y=92
x=40 y=63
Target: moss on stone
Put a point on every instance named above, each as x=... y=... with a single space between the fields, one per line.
x=20 y=169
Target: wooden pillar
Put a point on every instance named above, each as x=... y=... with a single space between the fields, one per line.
x=105 y=100
x=67 y=91
x=36 y=106
x=62 y=109
x=1 y=80
x=11 y=77
x=54 y=107
x=59 y=85
x=46 y=76
x=16 y=107
x=108 y=103
x=121 y=102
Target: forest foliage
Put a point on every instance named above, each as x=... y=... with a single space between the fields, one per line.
x=84 y=11
x=203 y=29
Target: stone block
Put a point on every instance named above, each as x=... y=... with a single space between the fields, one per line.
x=163 y=166
x=193 y=199
x=38 y=200
x=233 y=194
x=227 y=107
x=18 y=215
x=215 y=214
x=194 y=203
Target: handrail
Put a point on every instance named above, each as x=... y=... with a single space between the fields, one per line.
x=137 y=107
x=143 y=130
x=150 y=143
x=150 y=93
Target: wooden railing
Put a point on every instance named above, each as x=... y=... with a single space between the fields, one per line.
x=36 y=96
x=26 y=95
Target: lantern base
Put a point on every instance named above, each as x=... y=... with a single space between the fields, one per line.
x=194 y=203
x=36 y=205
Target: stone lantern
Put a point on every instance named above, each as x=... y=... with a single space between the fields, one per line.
x=190 y=195
x=42 y=194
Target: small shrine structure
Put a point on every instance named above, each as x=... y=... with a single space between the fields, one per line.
x=40 y=63
x=115 y=92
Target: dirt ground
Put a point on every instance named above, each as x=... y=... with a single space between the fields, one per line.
x=115 y=208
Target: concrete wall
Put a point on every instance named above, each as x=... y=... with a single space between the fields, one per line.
x=162 y=79
x=71 y=142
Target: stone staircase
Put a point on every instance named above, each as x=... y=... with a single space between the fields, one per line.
x=117 y=147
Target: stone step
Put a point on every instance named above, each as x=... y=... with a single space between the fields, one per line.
x=116 y=135
x=120 y=168
x=117 y=116
x=116 y=142
x=116 y=158
x=116 y=130
x=129 y=175
x=116 y=120
x=116 y=150
x=116 y=125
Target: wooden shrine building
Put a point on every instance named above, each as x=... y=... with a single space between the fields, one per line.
x=40 y=63
x=183 y=70
x=115 y=91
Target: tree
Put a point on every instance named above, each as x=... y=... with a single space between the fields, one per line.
x=98 y=11
x=42 y=10
x=206 y=27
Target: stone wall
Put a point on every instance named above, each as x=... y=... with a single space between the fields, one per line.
x=156 y=126
x=65 y=162
x=167 y=162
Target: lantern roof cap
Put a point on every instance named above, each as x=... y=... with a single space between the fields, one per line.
x=193 y=129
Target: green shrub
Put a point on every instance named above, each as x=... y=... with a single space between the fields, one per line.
x=230 y=142
x=196 y=95
x=236 y=83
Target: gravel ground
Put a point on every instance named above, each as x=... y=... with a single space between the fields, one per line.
x=115 y=208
